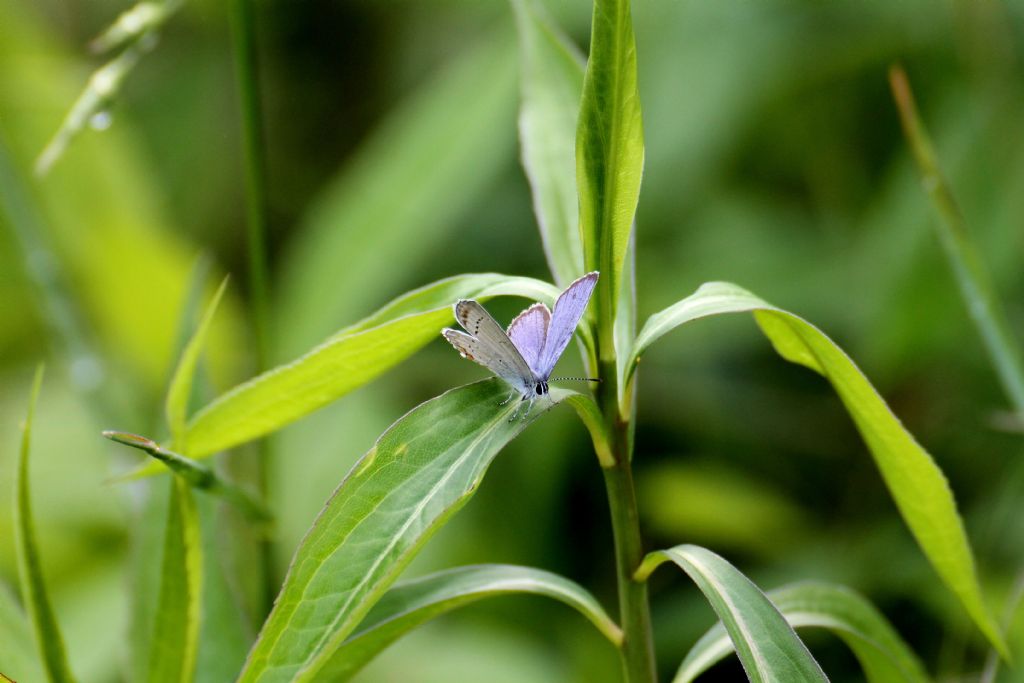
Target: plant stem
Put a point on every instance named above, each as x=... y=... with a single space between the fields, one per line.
x=976 y=287
x=246 y=73
x=634 y=609
x=243 y=39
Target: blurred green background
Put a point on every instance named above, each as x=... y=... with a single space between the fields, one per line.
x=774 y=160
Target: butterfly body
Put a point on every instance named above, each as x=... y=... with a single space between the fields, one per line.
x=526 y=353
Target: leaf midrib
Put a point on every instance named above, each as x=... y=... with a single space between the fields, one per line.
x=311 y=659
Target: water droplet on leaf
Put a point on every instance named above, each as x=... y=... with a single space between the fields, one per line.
x=101 y=120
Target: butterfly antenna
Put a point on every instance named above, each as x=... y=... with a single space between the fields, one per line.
x=576 y=379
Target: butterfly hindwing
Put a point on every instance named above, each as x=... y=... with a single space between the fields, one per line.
x=487 y=344
x=529 y=331
x=566 y=315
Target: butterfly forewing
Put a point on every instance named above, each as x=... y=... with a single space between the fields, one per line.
x=529 y=331
x=487 y=344
x=564 y=318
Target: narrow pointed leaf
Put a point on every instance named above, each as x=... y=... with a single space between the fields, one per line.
x=769 y=649
x=609 y=155
x=590 y=414
x=625 y=328
x=916 y=483
x=882 y=654
x=551 y=78
x=976 y=287
x=421 y=471
x=175 y=639
x=411 y=603
x=346 y=361
x=197 y=475
x=180 y=389
x=47 y=633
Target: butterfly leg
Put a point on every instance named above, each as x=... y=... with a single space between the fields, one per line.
x=505 y=402
x=528 y=408
x=519 y=406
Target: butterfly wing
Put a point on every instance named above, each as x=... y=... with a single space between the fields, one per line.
x=529 y=331
x=487 y=344
x=566 y=315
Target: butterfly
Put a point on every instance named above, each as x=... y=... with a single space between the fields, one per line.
x=526 y=353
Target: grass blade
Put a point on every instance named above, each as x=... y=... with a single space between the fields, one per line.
x=346 y=361
x=609 y=156
x=412 y=603
x=421 y=471
x=973 y=279
x=551 y=76
x=180 y=390
x=767 y=645
x=882 y=654
x=917 y=485
x=33 y=585
x=175 y=640
x=134 y=24
x=135 y=30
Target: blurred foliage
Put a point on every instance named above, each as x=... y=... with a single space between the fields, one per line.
x=774 y=159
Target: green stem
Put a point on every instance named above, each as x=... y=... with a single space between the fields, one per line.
x=974 y=281
x=243 y=33
x=246 y=73
x=634 y=609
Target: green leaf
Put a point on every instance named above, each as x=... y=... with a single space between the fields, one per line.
x=973 y=278
x=227 y=632
x=590 y=414
x=197 y=475
x=422 y=470
x=175 y=640
x=609 y=156
x=625 y=329
x=411 y=603
x=915 y=482
x=17 y=653
x=551 y=76
x=768 y=647
x=346 y=361
x=33 y=586
x=882 y=654
x=180 y=389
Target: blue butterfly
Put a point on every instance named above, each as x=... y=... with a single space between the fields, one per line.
x=525 y=355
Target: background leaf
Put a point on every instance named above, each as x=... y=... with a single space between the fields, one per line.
x=437 y=158
x=915 y=482
x=175 y=640
x=551 y=78
x=180 y=390
x=420 y=472
x=767 y=646
x=347 y=360
x=33 y=585
x=609 y=155
x=411 y=603
x=882 y=654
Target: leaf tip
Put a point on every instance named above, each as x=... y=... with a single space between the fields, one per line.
x=129 y=439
